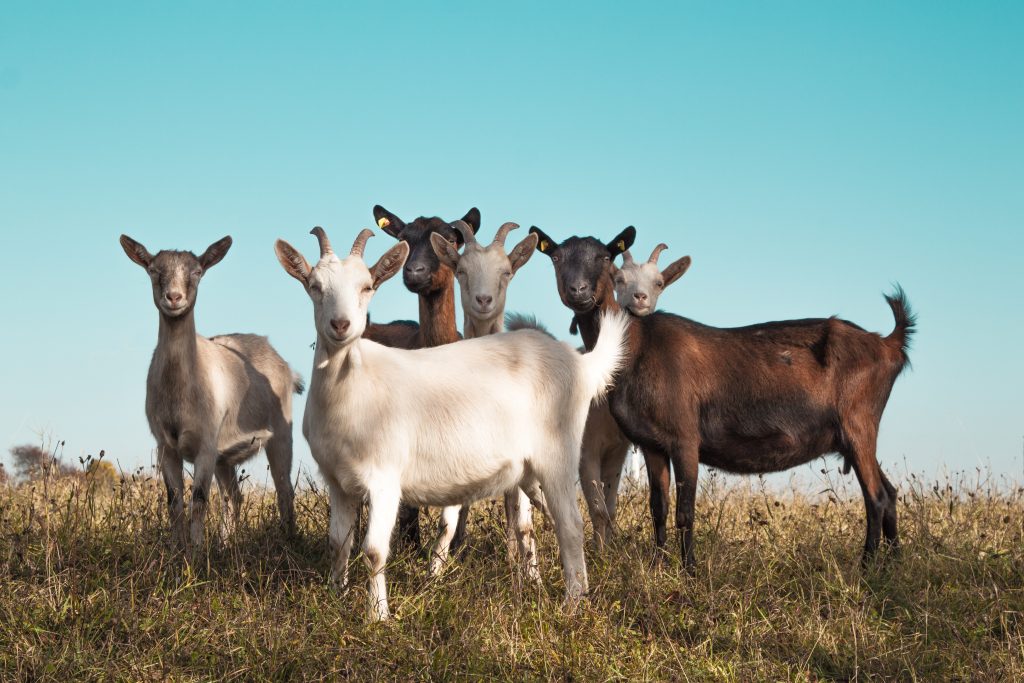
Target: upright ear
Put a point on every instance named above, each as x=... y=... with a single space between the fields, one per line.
x=294 y=263
x=215 y=252
x=390 y=263
x=622 y=241
x=387 y=221
x=472 y=218
x=523 y=251
x=136 y=252
x=545 y=244
x=445 y=250
x=675 y=270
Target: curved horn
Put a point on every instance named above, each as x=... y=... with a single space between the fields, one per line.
x=467 y=232
x=656 y=253
x=503 y=232
x=627 y=258
x=360 y=243
x=321 y=237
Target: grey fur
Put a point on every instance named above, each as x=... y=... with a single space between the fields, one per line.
x=216 y=401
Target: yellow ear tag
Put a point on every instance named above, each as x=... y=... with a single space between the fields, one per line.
x=383 y=222
x=544 y=245
x=622 y=245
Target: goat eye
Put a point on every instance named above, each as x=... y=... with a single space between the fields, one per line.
x=507 y=273
x=367 y=289
x=660 y=283
x=606 y=258
x=315 y=288
x=554 y=259
x=197 y=273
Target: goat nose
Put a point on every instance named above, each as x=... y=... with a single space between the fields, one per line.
x=580 y=288
x=484 y=300
x=415 y=269
x=175 y=297
x=641 y=297
x=340 y=325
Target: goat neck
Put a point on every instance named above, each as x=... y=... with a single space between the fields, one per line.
x=589 y=323
x=437 y=313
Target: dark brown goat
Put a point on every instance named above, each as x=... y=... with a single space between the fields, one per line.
x=434 y=282
x=762 y=398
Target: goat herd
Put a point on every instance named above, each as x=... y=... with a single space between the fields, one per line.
x=400 y=416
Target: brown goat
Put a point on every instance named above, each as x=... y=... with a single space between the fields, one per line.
x=434 y=283
x=755 y=399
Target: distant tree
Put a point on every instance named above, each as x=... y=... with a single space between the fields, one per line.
x=102 y=470
x=32 y=461
x=4 y=476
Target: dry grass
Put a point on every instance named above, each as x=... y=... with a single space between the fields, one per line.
x=89 y=590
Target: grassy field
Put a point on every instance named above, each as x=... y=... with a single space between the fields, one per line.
x=90 y=590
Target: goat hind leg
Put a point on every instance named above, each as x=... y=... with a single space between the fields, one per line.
x=279 y=457
x=227 y=482
x=441 y=546
x=519 y=529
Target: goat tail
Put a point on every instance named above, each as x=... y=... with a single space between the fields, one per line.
x=298 y=384
x=601 y=365
x=906 y=322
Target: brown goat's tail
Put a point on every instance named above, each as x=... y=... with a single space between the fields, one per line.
x=906 y=323
x=298 y=384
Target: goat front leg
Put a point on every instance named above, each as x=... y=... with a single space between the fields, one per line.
x=174 y=482
x=341 y=532
x=202 y=480
x=384 y=502
x=445 y=534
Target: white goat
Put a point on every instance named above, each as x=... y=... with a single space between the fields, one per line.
x=638 y=285
x=442 y=425
x=213 y=402
x=604 y=450
x=484 y=273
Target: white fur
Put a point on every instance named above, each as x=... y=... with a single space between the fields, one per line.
x=444 y=425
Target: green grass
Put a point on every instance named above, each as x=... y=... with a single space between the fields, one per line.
x=90 y=590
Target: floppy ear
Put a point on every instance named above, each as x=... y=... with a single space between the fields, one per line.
x=472 y=218
x=622 y=241
x=294 y=263
x=136 y=252
x=215 y=252
x=675 y=270
x=522 y=252
x=387 y=221
x=445 y=250
x=389 y=264
x=545 y=244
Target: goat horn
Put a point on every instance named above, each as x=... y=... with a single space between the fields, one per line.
x=467 y=232
x=627 y=258
x=360 y=243
x=656 y=253
x=321 y=237
x=503 y=232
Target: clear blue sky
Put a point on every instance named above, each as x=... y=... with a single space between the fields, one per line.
x=806 y=154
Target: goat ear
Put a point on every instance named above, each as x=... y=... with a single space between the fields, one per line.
x=522 y=252
x=387 y=221
x=136 y=252
x=545 y=244
x=389 y=264
x=292 y=261
x=472 y=218
x=215 y=252
x=622 y=241
x=445 y=250
x=675 y=270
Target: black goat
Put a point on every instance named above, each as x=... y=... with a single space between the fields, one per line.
x=755 y=399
